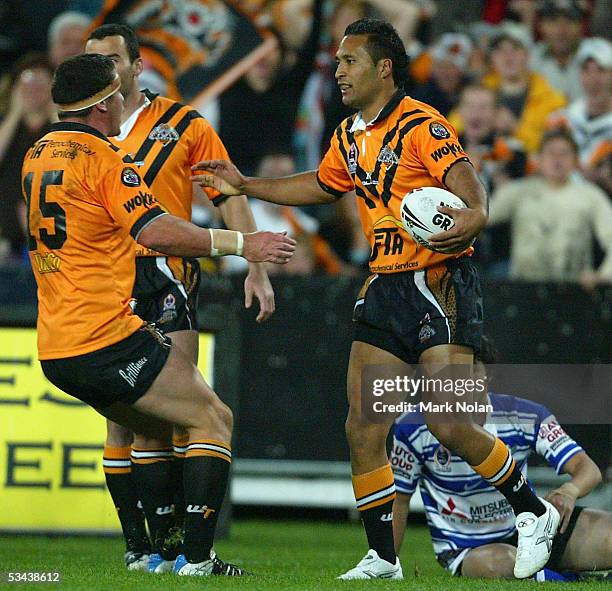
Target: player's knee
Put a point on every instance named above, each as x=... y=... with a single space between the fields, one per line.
x=495 y=562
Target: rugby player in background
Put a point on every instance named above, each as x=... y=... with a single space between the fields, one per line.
x=419 y=305
x=86 y=205
x=165 y=138
x=470 y=522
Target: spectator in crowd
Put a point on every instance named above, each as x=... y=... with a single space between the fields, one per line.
x=450 y=60
x=261 y=108
x=554 y=217
x=312 y=253
x=67 y=34
x=590 y=118
x=525 y=97
x=30 y=114
x=600 y=171
x=554 y=57
x=496 y=158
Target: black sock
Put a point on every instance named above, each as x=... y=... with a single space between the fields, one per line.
x=205 y=474
x=374 y=493
x=118 y=474
x=378 y=523
x=523 y=498
x=154 y=484
x=178 y=488
x=500 y=470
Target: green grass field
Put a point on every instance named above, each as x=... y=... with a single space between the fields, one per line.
x=287 y=556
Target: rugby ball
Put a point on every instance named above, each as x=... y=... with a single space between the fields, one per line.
x=420 y=215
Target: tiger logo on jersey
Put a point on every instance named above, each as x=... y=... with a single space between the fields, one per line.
x=164 y=133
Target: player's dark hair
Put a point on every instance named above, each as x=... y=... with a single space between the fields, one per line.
x=128 y=34
x=384 y=42
x=81 y=77
x=488 y=353
x=559 y=133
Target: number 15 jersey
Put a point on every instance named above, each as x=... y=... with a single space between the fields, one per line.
x=85 y=208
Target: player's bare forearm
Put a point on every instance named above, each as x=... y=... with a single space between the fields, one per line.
x=237 y=214
x=298 y=189
x=585 y=475
x=401 y=510
x=175 y=236
x=463 y=181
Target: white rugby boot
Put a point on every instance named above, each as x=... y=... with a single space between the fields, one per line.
x=535 y=538
x=373 y=566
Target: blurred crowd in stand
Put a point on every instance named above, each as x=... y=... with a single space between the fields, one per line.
x=526 y=83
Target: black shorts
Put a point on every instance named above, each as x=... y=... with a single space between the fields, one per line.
x=122 y=372
x=452 y=560
x=407 y=313
x=166 y=292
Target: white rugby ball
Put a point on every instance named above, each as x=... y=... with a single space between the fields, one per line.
x=420 y=215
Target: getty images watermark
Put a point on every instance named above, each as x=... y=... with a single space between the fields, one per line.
x=575 y=394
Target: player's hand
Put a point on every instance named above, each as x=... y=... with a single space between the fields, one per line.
x=257 y=284
x=468 y=224
x=565 y=502
x=221 y=175
x=268 y=247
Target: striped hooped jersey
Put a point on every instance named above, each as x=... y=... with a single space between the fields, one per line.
x=462 y=509
x=407 y=146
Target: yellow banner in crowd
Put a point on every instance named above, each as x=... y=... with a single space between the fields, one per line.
x=51 y=446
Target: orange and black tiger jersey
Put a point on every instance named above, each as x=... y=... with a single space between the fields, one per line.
x=408 y=145
x=86 y=204
x=164 y=139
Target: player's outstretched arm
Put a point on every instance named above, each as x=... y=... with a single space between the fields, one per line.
x=463 y=181
x=175 y=236
x=401 y=510
x=297 y=189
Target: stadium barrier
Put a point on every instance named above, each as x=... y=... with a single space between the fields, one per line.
x=284 y=379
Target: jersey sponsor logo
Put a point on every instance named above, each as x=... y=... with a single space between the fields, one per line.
x=142 y=199
x=493 y=511
x=164 y=133
x=352 y=159
x=204 y=509
x=387 y=156
x=129 y=177
x=38 y=150
x=387 y=239
x=448 y=148
x=450 y=509
x=438 y=131
x=132 y=371
x=47 y=263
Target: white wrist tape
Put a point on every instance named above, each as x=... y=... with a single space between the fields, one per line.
x=223 y=242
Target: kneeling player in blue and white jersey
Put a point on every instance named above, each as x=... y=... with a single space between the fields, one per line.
x=471 y=524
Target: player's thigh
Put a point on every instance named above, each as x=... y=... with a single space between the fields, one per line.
x=188 y=342
x=492 y=561
x=590 y=545
x=117 y=435
x=368 y=363
x=180 y=395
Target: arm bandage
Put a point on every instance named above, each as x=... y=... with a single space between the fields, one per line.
x=224 y=242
